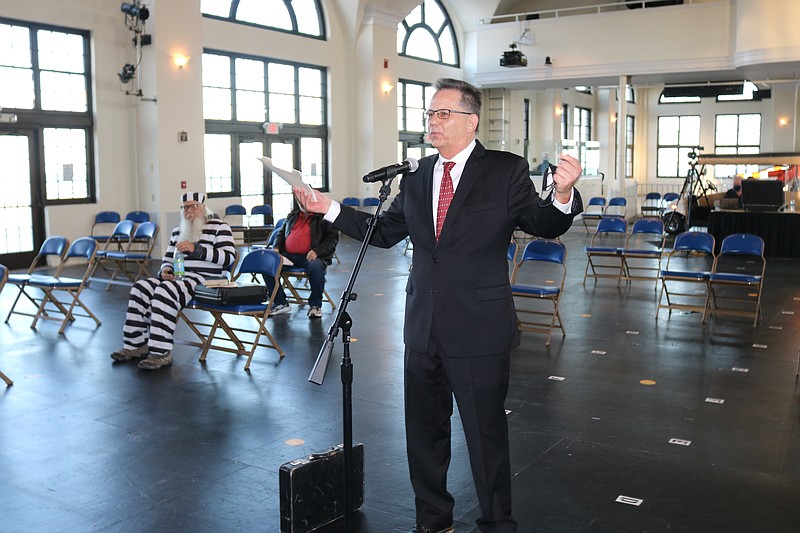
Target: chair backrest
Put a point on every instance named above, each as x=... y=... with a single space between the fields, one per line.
x=652 y=196
x=146 y=232
x=3 y=276
x=138 y=216
x=548 y=250
x=122 y=231
x=55 y=246
x=264 y=209
x=107 y=217
x=352 y=201
x=512 y=251
x=274 y=235
x=617 y=201
x=743 y=244
x=261 y=261
x=371 y=201
x=650 y=226
x=612 y=225
x=84 y=248
x=671 y=196
x=235 y=209
x=694 y=241
x=597 y=200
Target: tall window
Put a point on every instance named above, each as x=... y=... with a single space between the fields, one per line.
x=737 y=134
x=255 y=107
x=427 y=33
x=44 y=80
x=303 y=17
x=588 y=151
x=630 y=123
x=677 y=135
x=413 y=99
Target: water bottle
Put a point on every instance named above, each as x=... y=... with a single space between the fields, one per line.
x=178 y=266
x=791 y=205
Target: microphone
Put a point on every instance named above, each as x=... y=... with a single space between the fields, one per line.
x=385 y=173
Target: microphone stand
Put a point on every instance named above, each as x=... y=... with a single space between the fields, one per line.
x=343 y=321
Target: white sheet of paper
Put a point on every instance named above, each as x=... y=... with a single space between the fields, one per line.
x=292 y=177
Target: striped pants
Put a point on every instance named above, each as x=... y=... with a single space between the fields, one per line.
x=153 y=307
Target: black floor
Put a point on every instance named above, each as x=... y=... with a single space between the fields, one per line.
x=88 y=445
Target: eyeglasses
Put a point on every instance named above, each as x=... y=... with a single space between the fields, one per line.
x=190 y=206
x=443 y=114
x=548 y=184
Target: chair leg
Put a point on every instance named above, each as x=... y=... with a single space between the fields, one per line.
x=6 y=379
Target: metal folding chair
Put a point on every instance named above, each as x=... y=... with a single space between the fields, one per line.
x=737 y=277
x=138 y=253
x=3 y=279
x=604 y=254
x=593 y=212
x=227 y=337
x=84 y=249
x=102 y=219
x=688 y=266
x=53 y=247
x=540 y=283
x=643 y=250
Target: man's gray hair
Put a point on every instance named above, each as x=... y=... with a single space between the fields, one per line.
x=471 y=96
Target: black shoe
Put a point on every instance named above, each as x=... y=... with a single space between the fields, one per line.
x=423 y=529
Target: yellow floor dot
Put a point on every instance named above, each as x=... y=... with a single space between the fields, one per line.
x=647 y=382
x=295 y=442
x=586 y=315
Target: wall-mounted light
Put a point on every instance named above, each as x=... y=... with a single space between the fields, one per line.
x=559 y=111
x=614 y=118
x=783 y=122
x=386 y=87
x=548 y=62
x=180 y=60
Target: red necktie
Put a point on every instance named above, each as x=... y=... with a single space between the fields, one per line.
x=445 y=196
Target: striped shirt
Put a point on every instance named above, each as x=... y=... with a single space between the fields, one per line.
x=213 y=254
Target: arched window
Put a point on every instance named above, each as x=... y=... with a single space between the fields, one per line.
x=303 y=17
x=427 y=33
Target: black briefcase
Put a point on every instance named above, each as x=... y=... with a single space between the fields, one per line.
x=312 y=489
x=239 y=295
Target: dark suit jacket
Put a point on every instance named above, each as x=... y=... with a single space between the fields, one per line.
x=463 y=279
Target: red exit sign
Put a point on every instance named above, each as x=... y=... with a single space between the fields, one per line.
x=272 y=128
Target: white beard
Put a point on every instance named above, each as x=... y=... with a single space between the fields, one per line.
x=191 y=230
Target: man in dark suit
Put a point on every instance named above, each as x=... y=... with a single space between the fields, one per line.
x=460 y=209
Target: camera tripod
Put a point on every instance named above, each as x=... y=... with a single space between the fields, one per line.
x=675 y=222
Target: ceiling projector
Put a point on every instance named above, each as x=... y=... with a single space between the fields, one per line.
x=513 y=58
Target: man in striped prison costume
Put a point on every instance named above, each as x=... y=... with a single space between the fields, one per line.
x=207 y=244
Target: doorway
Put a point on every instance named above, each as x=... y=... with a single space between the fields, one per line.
x=21 y=208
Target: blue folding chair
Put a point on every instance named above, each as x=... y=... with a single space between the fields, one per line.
x=138 y=253
x=52 y=248
x=687 y=267
x=604 y=254
x=651 y=206
x=118 y=241
x=263 y=225
x=370 y=204
x=643 y=250
x=103 y=218
x=240 y=228
x=616 y=207
x=138 y=217
x=542 y=284
x=351 y=201
x=737 y=277
x=84 y=249
x=593 y=212
x=266 y=263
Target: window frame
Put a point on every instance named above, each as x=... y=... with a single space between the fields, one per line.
x=289 y=133
x=235 y=5
x=438 y=35
x=683 y=149
x=37 y=120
